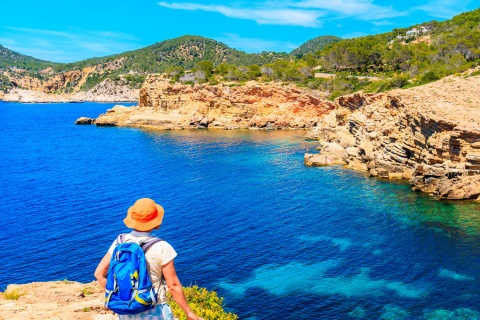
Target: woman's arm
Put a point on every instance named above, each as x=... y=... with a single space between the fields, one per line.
x=176 y=289
x=102 y=270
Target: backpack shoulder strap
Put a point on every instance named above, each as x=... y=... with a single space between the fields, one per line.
x=146 y=244
x=121 y=238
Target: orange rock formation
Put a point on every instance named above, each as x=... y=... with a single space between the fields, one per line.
x=164 y=105
x=428 y=134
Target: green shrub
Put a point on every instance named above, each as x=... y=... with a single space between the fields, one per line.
x=206 y=304
x=87 y=291
x=66 y=281
x=335 y=94
x=474 y=73
x=13 y=294
x=213 y=82
x=399 y=81
x=378 y=86
x=429 y=76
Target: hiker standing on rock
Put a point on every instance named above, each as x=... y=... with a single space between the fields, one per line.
x=126 y=291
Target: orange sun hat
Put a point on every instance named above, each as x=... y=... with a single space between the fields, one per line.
x=144 y=215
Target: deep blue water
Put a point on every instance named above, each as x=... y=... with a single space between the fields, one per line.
x=276 y=239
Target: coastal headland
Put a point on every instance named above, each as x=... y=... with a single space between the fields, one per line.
x=429 y=135
x=255 y=105
x=51 y=87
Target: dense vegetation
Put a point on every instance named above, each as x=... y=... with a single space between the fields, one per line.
x=396 y=59
x=5 y=83
x=206 y=304
x=9 y=58
x=183 y=52
x=314 y=45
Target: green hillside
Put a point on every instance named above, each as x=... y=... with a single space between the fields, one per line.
x=397 y=59
x=313 y=45
x=9 y=58
x=440 y=47
x=184 y=51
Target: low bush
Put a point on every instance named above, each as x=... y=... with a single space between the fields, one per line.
x=206 y=304
x=13 y=294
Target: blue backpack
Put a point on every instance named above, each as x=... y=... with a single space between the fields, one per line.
x=129 y=289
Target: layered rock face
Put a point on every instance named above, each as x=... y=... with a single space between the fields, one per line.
x=66 y=86
x=168 y=106
x=429 y=135
x=106 y=91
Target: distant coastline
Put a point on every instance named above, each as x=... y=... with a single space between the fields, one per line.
x=32 y=96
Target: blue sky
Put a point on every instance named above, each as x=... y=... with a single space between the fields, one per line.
x=67 y=31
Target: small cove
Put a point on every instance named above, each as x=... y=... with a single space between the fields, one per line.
x=247 y=218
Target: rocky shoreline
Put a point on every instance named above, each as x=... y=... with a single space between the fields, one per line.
x=174 y=106
x=99 y=93
x=429 y=135
x=68 y=86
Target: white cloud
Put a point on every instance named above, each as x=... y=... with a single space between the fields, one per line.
x=37 y=52
x=364 y=9
x=382 y=23
x=304 y=13
x=444 y=9
x=262 y=15
x=40 y=31
x=67 y=46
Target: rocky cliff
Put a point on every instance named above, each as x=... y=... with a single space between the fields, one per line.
x=169 y=106
x=49 y=86
x=106 y=91
x=429 y=135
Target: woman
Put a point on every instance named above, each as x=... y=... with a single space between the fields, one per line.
x=144 y=217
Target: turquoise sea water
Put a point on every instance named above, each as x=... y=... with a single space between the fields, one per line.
x=276 y=239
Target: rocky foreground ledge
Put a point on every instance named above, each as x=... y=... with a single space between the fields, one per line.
x=175 y=106
x=69 y=300
x=429 y=135
x=60 y=300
